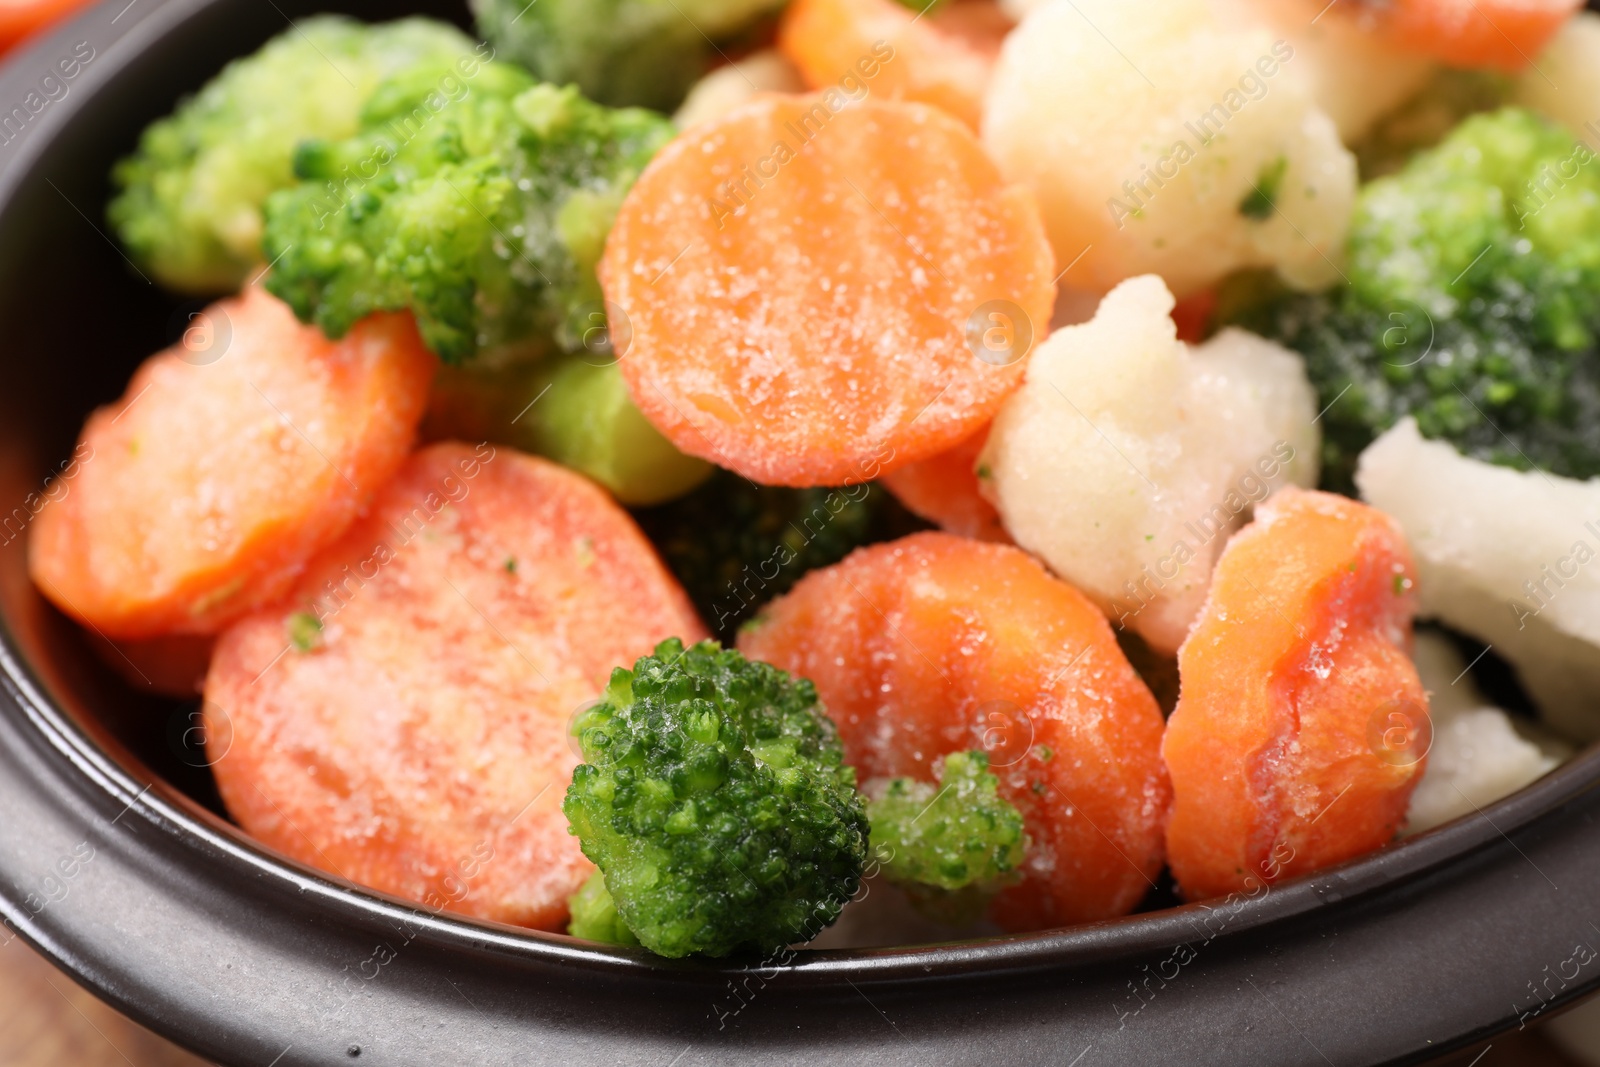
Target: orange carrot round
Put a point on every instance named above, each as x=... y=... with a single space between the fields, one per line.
x=944 y=490
x=1503 y=34
x=1301 y=726
x=800 y=277
x=402 y=718
x=233 y=457
x=935 y=644
x=943 y=58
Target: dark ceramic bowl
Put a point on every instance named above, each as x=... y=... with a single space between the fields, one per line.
x=115 y=860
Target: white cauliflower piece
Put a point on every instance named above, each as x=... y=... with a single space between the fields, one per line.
x=1451 y=688
x=1191 y=147
x=1477 y=756
x=1510 y=557
x=1356 y=76
x=1127 y=458
x=1565 y=83
x=736 y=84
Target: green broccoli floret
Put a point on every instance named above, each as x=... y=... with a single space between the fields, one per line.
x=485 y=213
x=734 y=545
x=950 y=847
x=714 y=796
x=594 y=914
x=644 y=53
x=188 y=206
x=1473 y=304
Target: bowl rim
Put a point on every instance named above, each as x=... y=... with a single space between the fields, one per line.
x=91 y=770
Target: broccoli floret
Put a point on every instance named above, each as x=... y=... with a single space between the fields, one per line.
x=188 y=206
x=483 y=213
x=734 y=545
x=714 y=796
x=1472 y=303
x=949 y=847
x=594 y=914
x=643 y=53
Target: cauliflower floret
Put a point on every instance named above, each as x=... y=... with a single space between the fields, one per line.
x=1510 y=557
x=738 y=83
x=1565 y=84
x=1356 y=76
x=1127 y=458
x=1478 y=756
x=1190 y=148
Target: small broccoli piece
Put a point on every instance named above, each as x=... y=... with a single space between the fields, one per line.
x=950 y=847
x=734 y=545
x=484 y=213
x=594 y=914
x=1473 y=304
x=571 y=410
x=644 y=53
x=587 y=422
x=188 y=206
x=714 y=796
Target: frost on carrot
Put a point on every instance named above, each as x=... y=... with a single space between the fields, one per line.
x=233 y=457
x=1302 y=727
x=401 y=718
x=799 y=277
x=936 y=644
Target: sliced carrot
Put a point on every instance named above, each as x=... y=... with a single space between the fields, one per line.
x=233 y=457
x=944 y=58
x=1301 y=726
x=1503 y=34
x=800 y=275
x=944 y=490
x=935 y=644
x=401 y=720
x=172 y=666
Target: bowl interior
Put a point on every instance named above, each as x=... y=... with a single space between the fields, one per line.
x=79 y=318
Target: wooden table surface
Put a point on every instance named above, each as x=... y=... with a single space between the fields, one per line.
x=47 y=1020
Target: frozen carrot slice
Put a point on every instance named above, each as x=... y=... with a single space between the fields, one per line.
x=233 y=457
x=943 y=58
x=799 y=277
x=1504 y=34
x=944 y=490
x=1301 y=726
x=401 y=720
x=936 y=644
